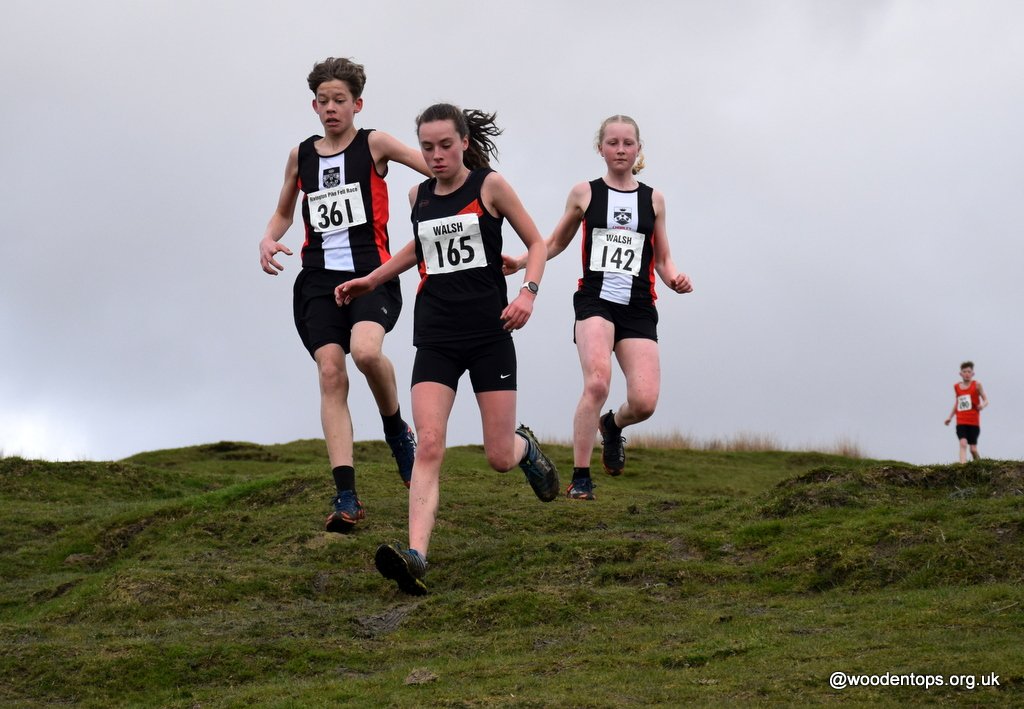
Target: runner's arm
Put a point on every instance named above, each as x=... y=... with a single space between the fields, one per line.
x=565 y=230
x=663 y=263
x=282 y=218
x=498 y=193
x=385 y=147
x=397 y=264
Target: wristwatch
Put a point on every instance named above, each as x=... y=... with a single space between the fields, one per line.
x=532 y=287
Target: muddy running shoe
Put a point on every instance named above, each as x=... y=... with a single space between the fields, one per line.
x=613 y=453
x=580 y=489
x=539 y=469
x=403 y=566
x=403 y=448
x=347 y=511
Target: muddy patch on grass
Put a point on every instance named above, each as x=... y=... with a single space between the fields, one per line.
x=111 y=544
x=680 y=550
x=373 y=626
x=51 y=593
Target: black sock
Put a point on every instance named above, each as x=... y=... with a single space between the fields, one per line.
x=580 y=473
x=344 y=478
x=609 y=424
x=393 y=424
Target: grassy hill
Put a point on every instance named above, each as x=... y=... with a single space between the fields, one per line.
x=200 y=577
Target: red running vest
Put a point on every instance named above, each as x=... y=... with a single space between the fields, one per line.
x=967 y=413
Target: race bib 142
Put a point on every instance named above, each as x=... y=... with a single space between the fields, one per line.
x=617 y=251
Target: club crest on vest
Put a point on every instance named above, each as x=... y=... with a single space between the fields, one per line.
x=332 y=177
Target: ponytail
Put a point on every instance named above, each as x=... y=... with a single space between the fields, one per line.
x=478 y=126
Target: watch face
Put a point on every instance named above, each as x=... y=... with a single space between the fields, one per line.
x=532 y=287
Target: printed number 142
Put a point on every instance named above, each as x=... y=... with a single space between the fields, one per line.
x=617 y=258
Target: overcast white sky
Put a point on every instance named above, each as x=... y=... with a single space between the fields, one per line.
x=844 y=182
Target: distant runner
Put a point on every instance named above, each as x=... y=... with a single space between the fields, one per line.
x=970 y=400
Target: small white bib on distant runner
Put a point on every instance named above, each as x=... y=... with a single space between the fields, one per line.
x=336 y=208
x=452 y=244
x=617 y=251
x=963 y=402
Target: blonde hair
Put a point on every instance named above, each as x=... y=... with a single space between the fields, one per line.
x=620 y=118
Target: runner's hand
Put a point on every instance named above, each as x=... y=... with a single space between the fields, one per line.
x=268 y=249
x=681 y=283
x=509 y=265
x=350 y=290
x=518 y=311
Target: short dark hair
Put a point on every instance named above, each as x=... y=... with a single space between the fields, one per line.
x=341 y=69
x=965 y=365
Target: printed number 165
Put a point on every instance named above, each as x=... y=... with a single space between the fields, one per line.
x=465 y=252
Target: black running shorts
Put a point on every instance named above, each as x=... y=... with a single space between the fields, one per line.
x=320 y=321
x=971 y=433
x=629 y=320
x=491 y=364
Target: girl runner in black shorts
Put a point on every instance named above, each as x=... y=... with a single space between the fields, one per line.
x=624 y=245
x=463 y=320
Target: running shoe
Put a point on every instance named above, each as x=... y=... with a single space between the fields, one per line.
x=539 y=469
x=613 y=453
x=580 y=489
x=347 y=511
x=403 y=448
x=403 y=566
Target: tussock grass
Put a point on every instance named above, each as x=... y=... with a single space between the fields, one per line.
x=201 y=577
x=743 y=442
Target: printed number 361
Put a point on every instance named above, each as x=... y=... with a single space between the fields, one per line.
x=330 y=215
